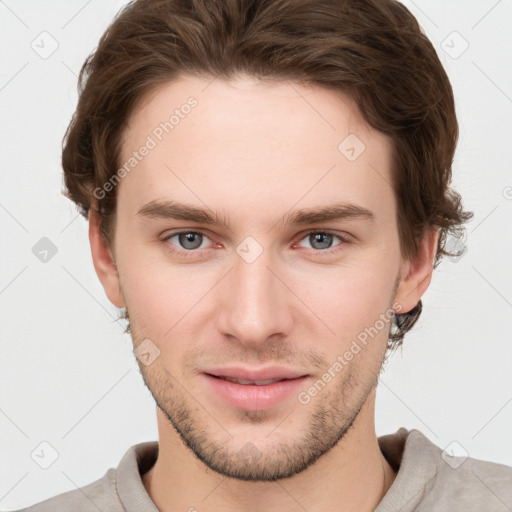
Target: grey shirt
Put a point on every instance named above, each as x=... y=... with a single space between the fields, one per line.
x=427 y=480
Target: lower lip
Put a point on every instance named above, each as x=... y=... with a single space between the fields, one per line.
x=252 y=397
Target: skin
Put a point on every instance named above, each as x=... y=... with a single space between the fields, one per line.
x=254 y=151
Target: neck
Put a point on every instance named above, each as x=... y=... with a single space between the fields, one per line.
x=353 y=475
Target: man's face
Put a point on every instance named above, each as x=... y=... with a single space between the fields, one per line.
x=254 y=290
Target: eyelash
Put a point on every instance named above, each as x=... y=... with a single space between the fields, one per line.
x=190 y=252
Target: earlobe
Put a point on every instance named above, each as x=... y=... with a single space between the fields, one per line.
x=417 y=273
x=103 y=261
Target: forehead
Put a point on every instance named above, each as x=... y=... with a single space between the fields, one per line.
x=254 y=143
x=248 y=106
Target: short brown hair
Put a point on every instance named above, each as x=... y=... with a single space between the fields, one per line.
x=374 y=51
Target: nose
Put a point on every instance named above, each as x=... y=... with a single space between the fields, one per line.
x=255 y=302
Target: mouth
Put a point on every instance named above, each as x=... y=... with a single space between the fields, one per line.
x=254 y=393
x=245 y=382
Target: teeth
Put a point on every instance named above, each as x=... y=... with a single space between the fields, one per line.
x=252 y=382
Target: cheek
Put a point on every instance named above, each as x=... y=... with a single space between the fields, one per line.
x=348 y=297
x=354 y=303
x=160 y=297
x=166 y=298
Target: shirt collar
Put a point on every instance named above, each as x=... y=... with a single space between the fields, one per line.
x=410 y=453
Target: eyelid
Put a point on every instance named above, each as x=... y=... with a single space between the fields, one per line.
x=345 y=238
x=172 y=234
x=340 y=234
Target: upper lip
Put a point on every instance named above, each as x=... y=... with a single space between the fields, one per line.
x=271 y=372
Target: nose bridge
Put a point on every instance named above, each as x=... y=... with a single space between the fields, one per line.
x=254 y=304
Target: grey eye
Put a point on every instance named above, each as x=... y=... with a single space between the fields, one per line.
x=190 y=240
x=320 y=240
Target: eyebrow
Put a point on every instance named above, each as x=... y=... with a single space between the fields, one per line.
x=167 y=209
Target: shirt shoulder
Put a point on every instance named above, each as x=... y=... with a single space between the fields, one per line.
x=429 y=479
x=98 y=495
x=465 y=483
x=119 y=489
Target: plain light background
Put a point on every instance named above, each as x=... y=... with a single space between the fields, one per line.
x=67 y=373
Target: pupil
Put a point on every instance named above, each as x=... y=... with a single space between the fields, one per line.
x=187 y=240
x=326 y=239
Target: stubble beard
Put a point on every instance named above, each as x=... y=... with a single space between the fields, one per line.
x=333 y=413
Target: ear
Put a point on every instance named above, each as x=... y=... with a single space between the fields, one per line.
x=416 y=273
x=104 y=262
